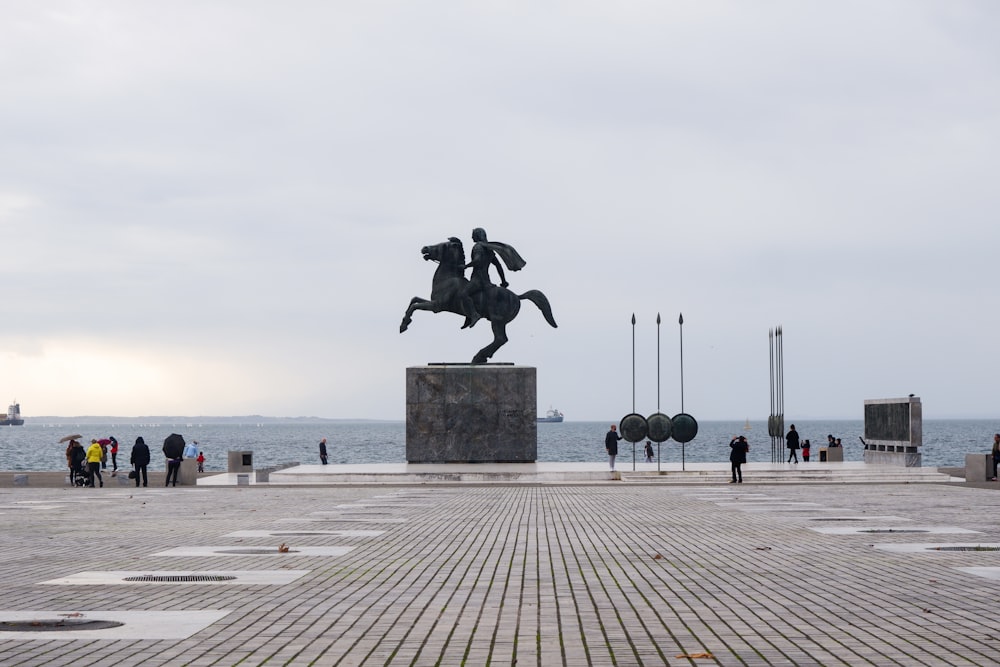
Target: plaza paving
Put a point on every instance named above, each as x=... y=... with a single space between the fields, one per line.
x=601 y=573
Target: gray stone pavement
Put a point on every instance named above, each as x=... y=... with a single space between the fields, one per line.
x=610 y=573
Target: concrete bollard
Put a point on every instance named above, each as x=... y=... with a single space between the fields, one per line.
x=188 y=474
x=978 y=467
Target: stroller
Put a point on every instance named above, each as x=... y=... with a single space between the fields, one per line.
x=78 y=473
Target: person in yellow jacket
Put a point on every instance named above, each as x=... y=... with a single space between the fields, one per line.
x=94 y=454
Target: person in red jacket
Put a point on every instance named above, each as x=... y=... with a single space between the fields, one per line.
x=114 y=455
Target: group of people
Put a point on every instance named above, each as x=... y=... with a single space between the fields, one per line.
x=611 y=446
x=87 y=463
x=95 y=457
x=793 y=444
x=738 y=448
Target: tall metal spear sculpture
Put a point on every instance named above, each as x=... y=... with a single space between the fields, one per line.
x=660 y=426
x=633 y=426
x=633 y=384
x=776 y=421
x=633 y=362
x=685 y=426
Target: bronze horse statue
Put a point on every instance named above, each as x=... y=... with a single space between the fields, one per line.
x=497 y=304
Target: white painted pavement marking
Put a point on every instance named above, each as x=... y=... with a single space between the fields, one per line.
x=875 y=530
x=988 y=572
x=137 y=624
x=237 y=550
x=304 y=533
x=939 y=547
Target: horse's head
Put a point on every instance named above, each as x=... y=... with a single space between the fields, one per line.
x=448 y=253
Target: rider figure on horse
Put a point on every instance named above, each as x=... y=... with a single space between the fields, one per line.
x=484 y=253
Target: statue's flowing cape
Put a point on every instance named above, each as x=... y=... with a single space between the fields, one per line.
x=510 y=257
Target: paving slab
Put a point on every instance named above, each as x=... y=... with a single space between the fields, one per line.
x=473 y=574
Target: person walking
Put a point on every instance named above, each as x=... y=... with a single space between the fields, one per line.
x=94 y=453
x=738 y=448
x=649 y=451
x=611 y=445
x=322 y=450
x=805 y=450
x=140 y=460
x=996 y=455
x=792 y=442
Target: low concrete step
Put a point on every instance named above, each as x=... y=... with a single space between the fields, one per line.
x=829 y=475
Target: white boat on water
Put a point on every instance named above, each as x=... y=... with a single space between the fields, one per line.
x=552 y=415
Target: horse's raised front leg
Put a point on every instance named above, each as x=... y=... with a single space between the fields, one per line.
x=416 y=303
x=499 y=340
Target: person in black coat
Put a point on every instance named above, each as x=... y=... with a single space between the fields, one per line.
x=611 y=444
x=173 y=449
x=792 y=442
x=738 y=456
x=139 y=460
x=78 y=458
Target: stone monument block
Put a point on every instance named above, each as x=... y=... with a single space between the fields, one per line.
x=978 y=467
x=894 y=431
x=188 y=474
x=471 y=413
x=239 y=461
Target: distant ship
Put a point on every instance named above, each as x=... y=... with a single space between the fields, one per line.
x=14 y=415
x=552 y=416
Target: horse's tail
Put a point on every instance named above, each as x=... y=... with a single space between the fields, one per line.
x=539 y=299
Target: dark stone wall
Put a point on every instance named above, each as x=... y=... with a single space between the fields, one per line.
x=887 y=421
x=471 y=413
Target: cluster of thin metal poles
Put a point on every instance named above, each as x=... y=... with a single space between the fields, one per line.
x=776 y=420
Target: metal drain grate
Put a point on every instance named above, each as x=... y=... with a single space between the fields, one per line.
x=255 y=551
x=966 y=548
x=179 y=578
x=892 y=530
x=57 y=625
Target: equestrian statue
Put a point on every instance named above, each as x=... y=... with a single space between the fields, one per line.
x=476 y=297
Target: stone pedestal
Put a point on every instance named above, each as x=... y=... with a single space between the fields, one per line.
x=239 y=461
x=978 y=467
x=471 y=413
x=188 y=474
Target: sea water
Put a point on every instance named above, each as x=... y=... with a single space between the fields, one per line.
x=37 y=447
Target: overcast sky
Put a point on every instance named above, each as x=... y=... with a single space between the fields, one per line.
x=217 y=208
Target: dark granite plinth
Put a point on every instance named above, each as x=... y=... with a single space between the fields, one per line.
x=471 y=414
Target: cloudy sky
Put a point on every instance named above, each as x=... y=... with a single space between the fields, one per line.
x=217 y=208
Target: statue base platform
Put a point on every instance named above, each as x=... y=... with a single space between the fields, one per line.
x=471 y=413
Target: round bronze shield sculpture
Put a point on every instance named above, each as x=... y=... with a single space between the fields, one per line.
x=633 y=427
x=685 y=427
x=660 y=427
